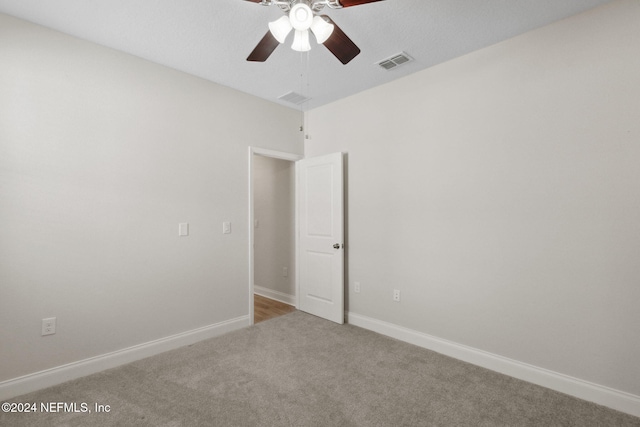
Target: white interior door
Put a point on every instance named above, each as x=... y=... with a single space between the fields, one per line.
x=321 y=236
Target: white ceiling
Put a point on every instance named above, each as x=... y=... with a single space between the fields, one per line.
x=212 y=38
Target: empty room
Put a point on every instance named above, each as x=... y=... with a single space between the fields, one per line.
x=439 y=202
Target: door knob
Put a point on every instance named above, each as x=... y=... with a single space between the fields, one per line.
x=336 y=246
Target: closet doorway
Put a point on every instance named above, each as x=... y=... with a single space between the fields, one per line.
x=273 y=225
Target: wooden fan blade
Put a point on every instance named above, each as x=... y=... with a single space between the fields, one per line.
x=264 y=49
x=340 y=44
x=349 y=3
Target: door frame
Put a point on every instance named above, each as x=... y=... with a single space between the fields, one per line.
x=292 y=157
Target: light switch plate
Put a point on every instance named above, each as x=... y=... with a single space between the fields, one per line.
x=226 y=228
x=183 y=229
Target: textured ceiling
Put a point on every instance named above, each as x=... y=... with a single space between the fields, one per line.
x=212 y=38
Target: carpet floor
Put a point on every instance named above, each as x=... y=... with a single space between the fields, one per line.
x=299 y=370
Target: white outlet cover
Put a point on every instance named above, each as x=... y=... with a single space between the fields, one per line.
x=49 y=326
x=183 y=229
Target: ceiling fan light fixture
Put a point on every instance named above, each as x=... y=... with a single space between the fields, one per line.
x=301 y=17
x=321 y=29
x=301 y=41
x=280 y=28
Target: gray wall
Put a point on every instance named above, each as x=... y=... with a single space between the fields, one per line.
x=101 y=156
x=500 y=192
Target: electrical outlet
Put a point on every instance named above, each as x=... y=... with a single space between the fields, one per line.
x=48 y=326
x=356 y=287
x=396 y=295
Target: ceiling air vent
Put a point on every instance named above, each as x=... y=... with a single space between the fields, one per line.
x=294 y=98
x=395 y=61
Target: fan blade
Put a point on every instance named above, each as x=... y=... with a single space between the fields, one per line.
x=264 y=49
x=340 y=44
x=255 y=1
x=349 y=3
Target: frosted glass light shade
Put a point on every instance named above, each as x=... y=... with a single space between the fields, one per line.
x=301 y=17
x=280 y=28
x=301 y=41
x=321 y=29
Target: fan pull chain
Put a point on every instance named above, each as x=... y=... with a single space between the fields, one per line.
x=305 y=65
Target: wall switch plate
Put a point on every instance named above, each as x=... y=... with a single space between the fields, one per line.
x=183 y=229
x=48 y=326
x=396 y=295
x=356 y=287
x=226 y=228
x=285 y=271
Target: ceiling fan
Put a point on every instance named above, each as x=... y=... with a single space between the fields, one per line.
x=302 y=17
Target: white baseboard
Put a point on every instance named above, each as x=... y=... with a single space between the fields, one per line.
x=278 y=296
x=615 y=399
x=50 y=377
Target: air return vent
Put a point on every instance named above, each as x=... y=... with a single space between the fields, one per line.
x=395 y=61
x=294 y=98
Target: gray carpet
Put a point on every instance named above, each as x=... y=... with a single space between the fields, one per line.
x=298 y=370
